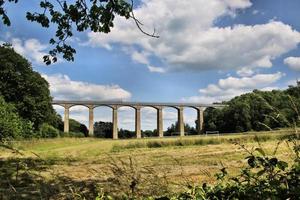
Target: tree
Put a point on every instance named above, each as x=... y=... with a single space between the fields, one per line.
x=77 y=127
x=173 y=129
x=124 y=133
x=149 y=133
x=293 y=93
x=294 y=90
x=212 y=120
x=48 y=131
x=258 y=110
x=25 y=88
x=82 y=15
x=103 y=129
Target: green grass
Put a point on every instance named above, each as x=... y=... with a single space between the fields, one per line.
x=201 y=140
x=193 y=158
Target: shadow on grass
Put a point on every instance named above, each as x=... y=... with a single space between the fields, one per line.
x=34 y=178
x=21 y=178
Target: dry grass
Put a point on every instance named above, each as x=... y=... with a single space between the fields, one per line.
x=86 y=159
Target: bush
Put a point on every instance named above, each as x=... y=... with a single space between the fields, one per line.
x=72 y=134
x=76 y=134
x=27 y=129
x=48 y=131
x=11 y=125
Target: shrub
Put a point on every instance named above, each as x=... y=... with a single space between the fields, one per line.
x=11 y=125
x=73 y=134
x=27 y=129
x=48 y=131
x=76 y=134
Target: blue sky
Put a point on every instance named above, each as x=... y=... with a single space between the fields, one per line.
x=208 y=51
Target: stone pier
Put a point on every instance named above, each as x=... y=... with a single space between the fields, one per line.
x=138 y=122
x=91 y=120
x=180 y=121
x=115 y=122
x=160 y=130
x=200 y=121
x=66 y=118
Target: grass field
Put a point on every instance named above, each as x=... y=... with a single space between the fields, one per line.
x=56 y=167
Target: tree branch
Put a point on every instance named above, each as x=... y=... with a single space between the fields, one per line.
x=139 y=24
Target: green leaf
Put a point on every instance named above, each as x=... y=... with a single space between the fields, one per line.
x=261 y=172
x=282 y=165
x=251 y=161
x=261 y=151
x=273 y=161
x=6 y=20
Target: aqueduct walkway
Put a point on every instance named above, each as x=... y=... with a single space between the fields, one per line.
x=137 y=106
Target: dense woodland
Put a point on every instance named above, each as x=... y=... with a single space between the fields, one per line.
x=258 y=110
x=26 y=110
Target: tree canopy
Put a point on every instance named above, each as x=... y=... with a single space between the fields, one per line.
x=173 y=129
x=26 y=89
x=77 y=127
x=258 y=110
x=103 y=129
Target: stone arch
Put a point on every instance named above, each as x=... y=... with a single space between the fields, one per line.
x=60 y=110
x=80 y=115
x=103 y=105
x=103 y=121
x=58 y=106
x=73 y=105
x=146 y=116
x=152 y=106
x=130 y=106
x=126 y=121
x=193 y=107
x=190 y=114
x=170 y=120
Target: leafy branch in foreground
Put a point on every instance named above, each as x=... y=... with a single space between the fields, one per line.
x=83 y=15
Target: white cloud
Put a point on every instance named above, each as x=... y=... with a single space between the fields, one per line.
x=31 y=49
x=230 y=87
x=156 y=69
x=245 y=72
x=189 y=39
x=140 y=57
x=258 y=80
x=254 y=12
x=62 y=87
x=269 y=88
x=293 y=63
x=291 y=82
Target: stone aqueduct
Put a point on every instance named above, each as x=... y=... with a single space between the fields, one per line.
x=137 y=107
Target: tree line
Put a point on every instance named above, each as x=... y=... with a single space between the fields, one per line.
x=257 y=111
x=105 y=129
